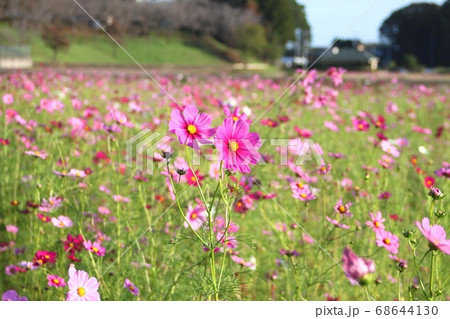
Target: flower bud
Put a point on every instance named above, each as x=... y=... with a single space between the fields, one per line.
x=440 y=214
x=435 y=193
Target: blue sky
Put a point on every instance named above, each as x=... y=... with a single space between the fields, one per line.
x=330 y=18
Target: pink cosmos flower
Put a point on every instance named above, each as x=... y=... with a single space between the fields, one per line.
x=436 y=236
x=190 y=126
x=337 y=223
x=37 y=154
x=242 y=262
x=389 y=148
x=104 y=210
x=342 y=209
x=131 y=287
x=386 y=161
x=387 y=240
x=62 y=221
x=120 y=198
x=237 y=147
x=81 y=287
x=8 y=99
x=331 y=126
x=95 y=248
x=376 y=222
x=76 y=173
x=51 y=204
x=195 y=216
x=360 y=124
x=55 y=281
x=12 y=229
x=120 y=118
x=12 y=295
x=302 y=191
x=356 y=268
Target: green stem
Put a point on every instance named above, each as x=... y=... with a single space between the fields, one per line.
x=433 y=262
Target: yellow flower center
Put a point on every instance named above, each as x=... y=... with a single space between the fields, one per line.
x=194 y=216
x=360 y=126
x=387 y=241
x=95 y=249
x=436 y=242
x=234 y=146
x=37 y=153
x=235 y=118
x=303 y=195
x=376 y=224
x=81 y=291
x=300 y=185
x=192 y=129
x=56 y=281
x=342 y=209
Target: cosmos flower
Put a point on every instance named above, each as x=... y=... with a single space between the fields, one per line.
x=384 y=195
x=386 y=161
x=62 y=221
x=387 y=240
x=302 y=191
x=376 y=221
x=104 y=210
x=37 y=154
x=12 y=229
x=444 y=171
x=429 y=182
x=76 y=173
x=357 y=269
x=389 y=148
x=12 y=295
x=337 y=223
x=343 y=210
x=121 y=199
x=43 y=257
x=195 y=216
x=131 y=287
x=190 y=126
x=95 y=248
x=191 y=180
x=237 y=147
x=360 y=124
x=55 y=281
x=8 y=99
x=435 y=235
x=81 y=287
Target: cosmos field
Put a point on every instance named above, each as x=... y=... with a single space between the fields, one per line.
x=334 y=190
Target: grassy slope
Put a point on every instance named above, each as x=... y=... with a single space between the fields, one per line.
x=148 y=51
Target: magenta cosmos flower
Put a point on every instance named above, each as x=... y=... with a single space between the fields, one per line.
x=387 y=240
x=190 y=126
x=55 y=281
x=356 y=268
x=436 y=236
x=238 y=148
x=131 y=287
x=81 y=287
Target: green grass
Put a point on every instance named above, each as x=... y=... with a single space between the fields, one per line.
x=100 y=50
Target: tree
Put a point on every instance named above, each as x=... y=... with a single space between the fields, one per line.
x=418 y=30
x=252 y=39
x=55 y=38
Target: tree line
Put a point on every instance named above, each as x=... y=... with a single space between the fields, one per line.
x=258 y=27
x=419 y=35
